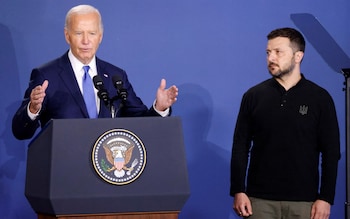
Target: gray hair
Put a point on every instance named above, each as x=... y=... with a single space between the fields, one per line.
x=82 y=9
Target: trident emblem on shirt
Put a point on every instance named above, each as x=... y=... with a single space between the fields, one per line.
x=303 y=110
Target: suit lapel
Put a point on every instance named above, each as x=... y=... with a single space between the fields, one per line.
x=107 y=81
x=67 y=76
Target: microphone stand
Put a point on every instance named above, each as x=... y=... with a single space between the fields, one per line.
x=346 y=73
x=114 y=111
x=122 y=95
x=103 y=95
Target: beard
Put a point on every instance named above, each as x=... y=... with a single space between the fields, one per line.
x=281 y=71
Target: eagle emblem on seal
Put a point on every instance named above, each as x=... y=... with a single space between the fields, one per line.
x=119 y=157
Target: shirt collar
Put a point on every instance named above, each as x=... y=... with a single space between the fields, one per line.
x=78 y=66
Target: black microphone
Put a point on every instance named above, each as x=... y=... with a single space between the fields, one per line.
x=118 y=84
x=102 y=92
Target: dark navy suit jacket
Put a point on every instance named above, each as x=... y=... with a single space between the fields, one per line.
x=64 y=100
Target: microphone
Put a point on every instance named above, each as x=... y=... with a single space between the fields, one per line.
x=118 y=84
x=102 y=92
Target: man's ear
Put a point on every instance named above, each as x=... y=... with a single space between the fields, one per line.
x=66 y=36
x=299 y=56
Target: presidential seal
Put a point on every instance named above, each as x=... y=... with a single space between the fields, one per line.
x=119 y=156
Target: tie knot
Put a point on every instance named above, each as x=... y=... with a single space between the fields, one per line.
x=86 y=68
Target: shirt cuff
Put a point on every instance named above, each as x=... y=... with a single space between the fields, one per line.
x=161 y=113
x=31 y=115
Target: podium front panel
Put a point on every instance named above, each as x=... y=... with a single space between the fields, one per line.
x=61 y=178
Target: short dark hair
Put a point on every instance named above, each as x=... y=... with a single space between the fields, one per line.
x=296 y=38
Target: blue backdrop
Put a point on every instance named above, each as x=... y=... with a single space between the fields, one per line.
x=212 y=50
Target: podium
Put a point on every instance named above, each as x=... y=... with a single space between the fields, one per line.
x=62 y=180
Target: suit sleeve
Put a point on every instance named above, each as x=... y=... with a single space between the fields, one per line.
x=22 y=125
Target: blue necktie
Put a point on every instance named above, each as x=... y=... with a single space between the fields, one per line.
x=89 y=94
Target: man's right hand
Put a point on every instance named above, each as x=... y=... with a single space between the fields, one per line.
x=37 y=97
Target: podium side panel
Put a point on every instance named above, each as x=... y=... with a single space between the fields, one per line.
x=37 y=187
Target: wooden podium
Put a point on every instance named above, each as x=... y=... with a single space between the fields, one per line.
x=62 y=181
x=163 y=215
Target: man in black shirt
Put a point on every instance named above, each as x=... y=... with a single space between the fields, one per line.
x=284 y=124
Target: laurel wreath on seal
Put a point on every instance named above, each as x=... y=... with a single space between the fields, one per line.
x=104 y=165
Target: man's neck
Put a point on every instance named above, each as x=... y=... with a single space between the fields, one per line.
x=290 y=80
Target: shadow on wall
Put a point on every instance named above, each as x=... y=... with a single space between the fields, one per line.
x=8 y=64
x=13 y=203
x=208 y=172
x=322 y=41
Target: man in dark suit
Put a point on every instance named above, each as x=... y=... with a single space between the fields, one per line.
x=56 y=89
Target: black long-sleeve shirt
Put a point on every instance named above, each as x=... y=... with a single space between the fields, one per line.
x=284 y=133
